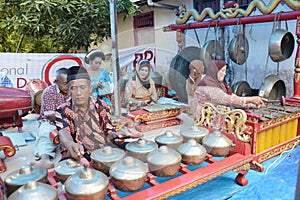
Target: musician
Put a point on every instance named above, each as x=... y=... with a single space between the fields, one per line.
x=212 y=88
x=52 y=97
x=196 y=71
x=83 y=122
x=140 y=89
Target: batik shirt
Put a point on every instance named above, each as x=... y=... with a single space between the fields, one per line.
x=89 y=128
x=51 y=99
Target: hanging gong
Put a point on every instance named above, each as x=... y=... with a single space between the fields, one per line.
x=211 y=50
x=242 y=89
x=239 y=49
x=273 y=88
x=281 y=45
x=179 y=70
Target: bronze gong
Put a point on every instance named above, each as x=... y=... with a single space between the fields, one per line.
x=281 y=45
x=211 y=50
x=242 y=89
x=239 y=49
x=273 y=88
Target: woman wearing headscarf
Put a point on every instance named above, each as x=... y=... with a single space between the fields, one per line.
x=213 y=89
x=140 y=89
x=196 y=68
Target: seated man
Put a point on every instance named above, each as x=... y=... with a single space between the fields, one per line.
x=83 y=122
x=4 y=80
x=52 y=97
x=140 y=89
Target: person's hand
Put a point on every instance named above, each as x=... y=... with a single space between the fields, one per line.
x=118 y=137
x=259 y=101
x=75 y=150
x=143 y=103
x=99 y=84
x=50 y=114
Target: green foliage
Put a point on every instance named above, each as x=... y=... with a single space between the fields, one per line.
x=56 y=25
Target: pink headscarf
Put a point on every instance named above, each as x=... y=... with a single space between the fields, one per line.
x=211 y=78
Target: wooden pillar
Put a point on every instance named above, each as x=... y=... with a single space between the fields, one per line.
x=297 y=62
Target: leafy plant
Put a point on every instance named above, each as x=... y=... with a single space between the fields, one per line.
x=56 y=25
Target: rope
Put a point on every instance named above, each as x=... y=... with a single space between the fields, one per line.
x=296 y=143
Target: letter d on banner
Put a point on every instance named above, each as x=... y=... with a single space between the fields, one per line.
x=20 y=81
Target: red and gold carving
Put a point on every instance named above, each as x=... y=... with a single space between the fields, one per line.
x=277 y=151
x=224 y=119
x=145 y=116
x=7 y=146
x=158 y=124
x=279 y=120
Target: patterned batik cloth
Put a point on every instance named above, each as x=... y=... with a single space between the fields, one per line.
x=89 y=128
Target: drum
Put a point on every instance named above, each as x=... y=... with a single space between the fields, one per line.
x=35 y=87
x=14 y=102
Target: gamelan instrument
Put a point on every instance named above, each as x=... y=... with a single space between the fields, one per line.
x=35 y=87
x=275 y=127
x=156 y=116
x=14 y=103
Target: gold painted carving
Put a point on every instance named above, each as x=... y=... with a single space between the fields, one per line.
x=276 y=121
x=245 y=167
x=152 y=116
x=204 y=180
x=224 y=119
x=297 y=77
x=277 y=151
x=9 y=150
x=226 y=13
x=297 y=65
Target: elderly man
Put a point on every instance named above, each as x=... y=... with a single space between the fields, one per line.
x=83 y=122
x=52 y=97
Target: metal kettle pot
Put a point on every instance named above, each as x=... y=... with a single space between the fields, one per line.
x=281 y=45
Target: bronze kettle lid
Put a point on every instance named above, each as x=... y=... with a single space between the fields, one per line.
x=168 y=138
x=67 y=167
x=164 y=156
x=34 y=190
x=217 y=139
x=107 y=154
x=26 y=173
x=194 y=131
x=86 y=182
x=128 y=168
x=192 y=148
x=141 y=146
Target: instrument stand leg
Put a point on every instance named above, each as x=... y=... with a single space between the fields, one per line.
x=241 y=178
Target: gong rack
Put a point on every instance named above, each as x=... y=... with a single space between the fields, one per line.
x=187 y=178
x=238 y=160
x=233 y=19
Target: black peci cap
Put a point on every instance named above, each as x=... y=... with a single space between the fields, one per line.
x=77 y=72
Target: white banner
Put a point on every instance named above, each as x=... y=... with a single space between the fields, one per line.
x=23 y=67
